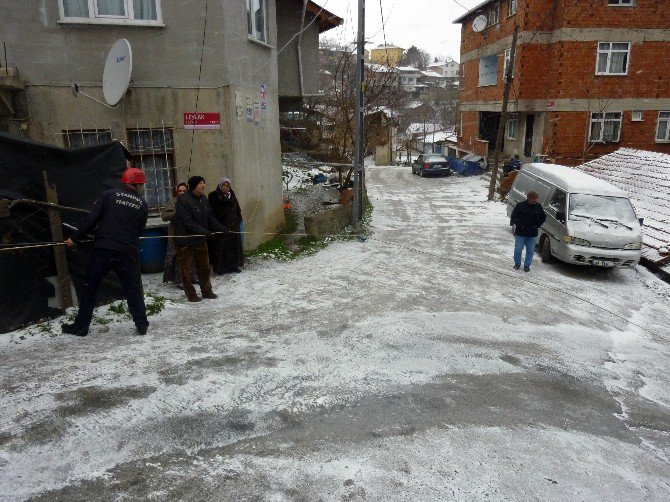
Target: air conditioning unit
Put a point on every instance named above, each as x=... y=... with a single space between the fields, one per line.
x=637 y=116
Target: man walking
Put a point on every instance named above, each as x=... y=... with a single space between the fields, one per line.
x=120 y=215
x=195 y=218
x=527 y=217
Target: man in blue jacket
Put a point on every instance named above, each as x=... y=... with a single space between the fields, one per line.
x=527 y=217
x=120 y=215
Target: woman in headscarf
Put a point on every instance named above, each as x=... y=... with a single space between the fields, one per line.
x=171 y=269
x=225 y=251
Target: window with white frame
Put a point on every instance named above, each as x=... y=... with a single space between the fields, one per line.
x=142 y=12
x=512 y=126
x=624 y=3
x=256 y=15
x=613 y=58
x=508 y=56
x=152 y=150
x=663 y=127
x=493 y=15
x=512 y=7
x=605 y=127
x=80 y=138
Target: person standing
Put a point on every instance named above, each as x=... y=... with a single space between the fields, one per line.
x=120 y=215
x=527 y=217
x=171 y=272
x=194 y=222
x=225 y=251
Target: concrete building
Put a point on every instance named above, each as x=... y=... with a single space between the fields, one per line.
x=204 y=95
x=389 y=55
x=588 y=77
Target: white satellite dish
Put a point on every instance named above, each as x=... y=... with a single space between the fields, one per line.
x=118 y=68
x=479 y=24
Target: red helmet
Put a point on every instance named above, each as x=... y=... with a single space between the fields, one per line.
x=133 y=176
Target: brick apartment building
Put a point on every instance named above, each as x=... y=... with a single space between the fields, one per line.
x=590 y=76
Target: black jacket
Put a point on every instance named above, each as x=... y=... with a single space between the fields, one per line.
x=527 y=218
x=121 y=215
x=194 y=217
x=226 y=211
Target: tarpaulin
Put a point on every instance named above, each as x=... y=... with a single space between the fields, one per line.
x=80 y=175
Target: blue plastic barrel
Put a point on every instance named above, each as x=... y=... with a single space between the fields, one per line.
x=152 y=251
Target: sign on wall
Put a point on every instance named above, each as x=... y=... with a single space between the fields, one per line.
x=202 y=120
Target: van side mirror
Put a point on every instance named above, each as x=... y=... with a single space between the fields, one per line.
x=560 y=216
x=641 y=220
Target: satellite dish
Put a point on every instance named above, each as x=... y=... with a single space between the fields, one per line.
x=479 y=24
x=118 y=67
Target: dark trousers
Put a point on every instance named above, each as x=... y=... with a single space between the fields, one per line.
x=199 y=254
x=127 y=268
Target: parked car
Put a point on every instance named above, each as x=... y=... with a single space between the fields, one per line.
x=589 y=221
x=431 y=164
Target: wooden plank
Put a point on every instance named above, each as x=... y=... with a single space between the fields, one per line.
x=59 y=251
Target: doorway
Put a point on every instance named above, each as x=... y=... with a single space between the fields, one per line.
x=528 y=140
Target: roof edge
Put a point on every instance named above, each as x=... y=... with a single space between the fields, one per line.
x=459 y=20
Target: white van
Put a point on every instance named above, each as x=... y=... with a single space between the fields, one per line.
x=589 y=221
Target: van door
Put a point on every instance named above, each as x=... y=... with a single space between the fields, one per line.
x=555 y=227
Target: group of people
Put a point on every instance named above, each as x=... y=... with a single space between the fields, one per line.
x=204 y=234
x=196 y=220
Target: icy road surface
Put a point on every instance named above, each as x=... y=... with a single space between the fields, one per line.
x=415 y=366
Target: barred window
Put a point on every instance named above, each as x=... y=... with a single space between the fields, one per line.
x=80 y=138
x=153 y=151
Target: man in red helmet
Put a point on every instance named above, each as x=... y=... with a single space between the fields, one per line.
x=120 y=215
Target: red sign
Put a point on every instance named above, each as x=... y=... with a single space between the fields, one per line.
x=551 y=104
x=202 y=120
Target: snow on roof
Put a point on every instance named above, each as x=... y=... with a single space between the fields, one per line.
x=388 y=46
x=431 y=74
x=421 y=127
x=478 y=7
x=646 y=178
x=409 y=69
x=438 y=137
x=573 y=180
x=379 y=68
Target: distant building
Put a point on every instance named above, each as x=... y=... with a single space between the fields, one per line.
x=588 y=78
x=389 y=55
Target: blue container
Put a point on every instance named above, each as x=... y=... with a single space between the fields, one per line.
x=152 y=251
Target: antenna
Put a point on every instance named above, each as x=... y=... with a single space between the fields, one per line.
x=479 y=23
x=116 y=77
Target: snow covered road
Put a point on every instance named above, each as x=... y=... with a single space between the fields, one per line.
x=414 y=366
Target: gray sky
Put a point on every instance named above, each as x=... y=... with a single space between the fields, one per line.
x=428 y=24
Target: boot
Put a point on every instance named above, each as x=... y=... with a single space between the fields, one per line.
x=193 y=298
x=74 y=329
x=210 y=295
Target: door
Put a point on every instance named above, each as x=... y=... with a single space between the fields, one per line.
x=528 y=142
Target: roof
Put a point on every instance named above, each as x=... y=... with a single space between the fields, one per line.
x=646 y=178
x=472 y=11
x=573 y=180
x=387 y=46
x=408 y=69
x=432 y=74
x=326 y=19
x=420 y=127
x=439 y=137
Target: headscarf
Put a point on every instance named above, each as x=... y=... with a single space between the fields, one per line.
x=224 y=180
x=227 y=194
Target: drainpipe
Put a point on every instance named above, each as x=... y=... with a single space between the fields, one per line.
x=302 y=27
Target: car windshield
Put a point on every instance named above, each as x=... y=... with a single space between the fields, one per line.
x=601 y=208
x=435 y=158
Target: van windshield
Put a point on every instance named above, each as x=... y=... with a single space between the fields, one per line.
x=601 y=208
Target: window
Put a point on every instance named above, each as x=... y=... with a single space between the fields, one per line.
x=153 y=151
x=512 y=7
x=637 y=116
x=256 y=19
x=493 y=15
x=623 y=3
x=663 y=127
x=512 y=126
x=613 y=58
x=81 y=138
x=143 y=12
x=558 y=201
x=508 y=56
x=488 y=70
x=605 y=127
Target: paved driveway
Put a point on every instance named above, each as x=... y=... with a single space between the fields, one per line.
x=414 y=366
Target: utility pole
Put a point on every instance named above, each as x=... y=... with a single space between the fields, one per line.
x=357 y=214
x=509 y=76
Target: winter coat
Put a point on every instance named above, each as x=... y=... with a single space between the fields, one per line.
x=194 y=217
x=169 y=212
x=226 y=211
x=527 y=218
x=120 y=215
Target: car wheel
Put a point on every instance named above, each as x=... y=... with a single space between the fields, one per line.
x=545 y=250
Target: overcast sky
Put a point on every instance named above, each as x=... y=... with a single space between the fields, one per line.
x=428 y=24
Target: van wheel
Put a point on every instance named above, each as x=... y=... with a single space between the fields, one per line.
x=545 y=250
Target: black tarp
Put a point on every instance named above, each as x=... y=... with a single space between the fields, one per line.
x=79 y=175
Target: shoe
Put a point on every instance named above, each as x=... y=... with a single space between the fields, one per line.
x=194 y=298
x=237 y=271
x=73 y=329
x=517 y=267
x=210 y=295
x=526 y=269
x=142 y=330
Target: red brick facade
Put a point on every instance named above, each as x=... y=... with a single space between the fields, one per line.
x=555 y=77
